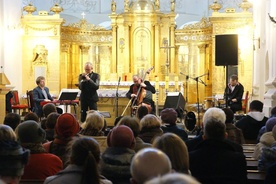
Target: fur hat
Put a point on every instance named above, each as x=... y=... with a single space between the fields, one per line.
x=270 y=124
x=121 y=136
x=169 y=115
x=30 y=132
x=66 y=126
x=13 y=158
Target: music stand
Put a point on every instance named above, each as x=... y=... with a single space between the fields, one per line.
x=68 y=96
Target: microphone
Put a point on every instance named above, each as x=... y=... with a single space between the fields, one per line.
x=208 y=75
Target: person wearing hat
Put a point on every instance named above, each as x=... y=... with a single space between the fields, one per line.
x=169 y=117
x=41 y=164
x=116 y=159
x=266 y=139
x=13 y=159
x=66 y=128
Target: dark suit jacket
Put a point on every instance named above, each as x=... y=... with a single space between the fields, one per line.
x=39 y=97
x=236 y=93
x=216 y=162
x=89 y=87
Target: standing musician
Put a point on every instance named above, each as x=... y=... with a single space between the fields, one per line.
x=233 y=94
x=89 y=83
x=145 y=95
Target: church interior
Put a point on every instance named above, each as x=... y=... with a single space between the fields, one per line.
x=122 y=38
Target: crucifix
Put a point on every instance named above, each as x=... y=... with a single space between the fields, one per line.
x=83 y=15
x=167 y=47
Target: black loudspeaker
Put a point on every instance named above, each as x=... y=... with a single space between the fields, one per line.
x=176 y=101
x=226 y=50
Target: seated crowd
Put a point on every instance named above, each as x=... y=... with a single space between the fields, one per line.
x=137 y=150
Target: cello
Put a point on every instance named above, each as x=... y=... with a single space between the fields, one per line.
x=140 y=95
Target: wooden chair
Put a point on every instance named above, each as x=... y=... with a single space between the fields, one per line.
x=15 y=103
x=30 y=100
x=245 y=102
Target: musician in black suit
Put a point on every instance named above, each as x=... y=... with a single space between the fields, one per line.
x=40 y=93
x=148 y=89
x=233 y=94
x=89 y=83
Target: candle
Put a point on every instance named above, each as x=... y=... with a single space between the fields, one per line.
x=157 y=83
x=167 y=82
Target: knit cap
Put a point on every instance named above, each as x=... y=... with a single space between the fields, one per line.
x=13 y=158
x=67 y=126
x=270 y=124
x=121 y=136
x=169 y=115
x=30 y=132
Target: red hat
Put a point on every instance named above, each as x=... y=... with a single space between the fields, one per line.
x=169 y=115
x=67 y=126
x=121 y=136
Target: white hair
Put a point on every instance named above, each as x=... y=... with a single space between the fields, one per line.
x=214 y=114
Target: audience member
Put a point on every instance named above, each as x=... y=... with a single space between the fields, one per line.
x=13 y=159
x=41 y=164
x=142 y=111
x=12 y=120
x=268 y=154
x=173 y=178
x=46 y=110
x=252 y=123
x=83 y=167
x=234 y=133
x=149 y=163
x=214 y=160
x=151 y=127
x=93 y=125
x=7 y=133
x=270 y=177
x=169 y=117
x=65 y=129
x=134 y=125
x=178 y=154
x=31 y=116
x=273 y=112
x=266 y=139
x=117 y=157
x=50 y=124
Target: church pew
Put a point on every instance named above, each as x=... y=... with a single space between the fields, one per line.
x=249 y=146
x=248 y=153
x=255 y=176
x=252 y=163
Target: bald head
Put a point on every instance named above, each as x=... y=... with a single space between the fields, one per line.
x=149 y=163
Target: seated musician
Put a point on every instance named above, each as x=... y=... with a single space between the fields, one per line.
x=40 y=94
x=145 y=95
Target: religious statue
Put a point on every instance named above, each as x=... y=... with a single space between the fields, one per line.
x=113 y=6
x=126 y=5
x=157 y=5
x=172 y=5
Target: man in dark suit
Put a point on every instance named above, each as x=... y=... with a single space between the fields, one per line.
x=233 y=94
x=89 y=83
x=40 y=93
x=214 y=160
x=145 y=96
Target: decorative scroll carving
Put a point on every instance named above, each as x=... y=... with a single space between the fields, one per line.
x=79 y=5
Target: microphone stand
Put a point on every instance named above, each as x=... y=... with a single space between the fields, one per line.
x=198 y=80
x=117 y=97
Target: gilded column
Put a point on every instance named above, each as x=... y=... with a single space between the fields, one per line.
x=64 y=65
x=84 y=55
x=157 y=63
x=172 y=44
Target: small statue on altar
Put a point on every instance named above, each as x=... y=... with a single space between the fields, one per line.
x=126 y=5
x=172 y=5
x=113 y=6
x=157 y=5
